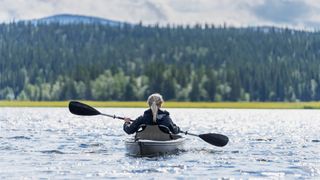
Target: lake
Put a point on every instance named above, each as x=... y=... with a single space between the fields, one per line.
x=52 y=143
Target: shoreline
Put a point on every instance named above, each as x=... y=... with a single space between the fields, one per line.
x=170 y=104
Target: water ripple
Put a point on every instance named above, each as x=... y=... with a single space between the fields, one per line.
x=42 y=143
x=52 y=152
x=19 y=137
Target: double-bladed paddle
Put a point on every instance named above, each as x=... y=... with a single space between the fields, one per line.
x=79 y=108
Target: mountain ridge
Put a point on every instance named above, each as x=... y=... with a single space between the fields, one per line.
x=76 y=19
x=67 y=18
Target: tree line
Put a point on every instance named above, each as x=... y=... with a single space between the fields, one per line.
x=128 y=62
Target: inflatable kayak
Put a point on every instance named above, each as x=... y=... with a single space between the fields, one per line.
x=153 y=141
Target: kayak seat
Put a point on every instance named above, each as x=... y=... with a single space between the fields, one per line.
x=153 y=132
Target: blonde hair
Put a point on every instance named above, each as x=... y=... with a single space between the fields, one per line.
x=154 y=101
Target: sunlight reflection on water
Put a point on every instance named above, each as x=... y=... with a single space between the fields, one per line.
x=52 y=143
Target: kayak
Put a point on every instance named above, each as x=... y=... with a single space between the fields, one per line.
x=153 y=148
x=153 y=142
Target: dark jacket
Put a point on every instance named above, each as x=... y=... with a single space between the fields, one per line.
x=163 y=118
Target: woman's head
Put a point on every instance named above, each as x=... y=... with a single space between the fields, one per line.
x=155 y=101
x=155 y=98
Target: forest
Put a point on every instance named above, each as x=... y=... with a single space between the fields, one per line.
x=43 y=62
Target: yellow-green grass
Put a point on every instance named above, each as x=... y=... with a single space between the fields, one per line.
x=170 y=104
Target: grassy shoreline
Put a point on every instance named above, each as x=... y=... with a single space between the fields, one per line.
x=171 y=104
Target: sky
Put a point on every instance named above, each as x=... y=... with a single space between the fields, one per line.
x=299 y=14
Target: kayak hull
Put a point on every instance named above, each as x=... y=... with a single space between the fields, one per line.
x=154 y=148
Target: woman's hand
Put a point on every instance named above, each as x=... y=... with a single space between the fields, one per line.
x=127 y=120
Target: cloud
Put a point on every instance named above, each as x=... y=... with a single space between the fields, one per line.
x=156 y=10
x=282 y=11
x=149 y=11
x=192 y=6
x=236 y=13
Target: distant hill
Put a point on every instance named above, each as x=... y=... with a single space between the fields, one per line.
x=76 y=19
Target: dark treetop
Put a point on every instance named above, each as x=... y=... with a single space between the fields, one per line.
x=128 y=62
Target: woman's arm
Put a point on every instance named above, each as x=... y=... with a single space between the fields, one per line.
x=173 y=127
x=131 y=128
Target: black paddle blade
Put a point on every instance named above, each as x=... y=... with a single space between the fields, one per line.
x=79 y=108
x=215 y=139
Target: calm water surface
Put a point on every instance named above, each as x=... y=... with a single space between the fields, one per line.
x=52 y=143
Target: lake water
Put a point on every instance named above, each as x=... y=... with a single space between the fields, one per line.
x=52 y=143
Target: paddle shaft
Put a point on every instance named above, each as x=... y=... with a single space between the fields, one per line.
x=187 y=133
x=122 y=118
x=118 y=117
x=114 y=116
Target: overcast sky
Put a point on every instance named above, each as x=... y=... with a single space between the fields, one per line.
x=284 y=13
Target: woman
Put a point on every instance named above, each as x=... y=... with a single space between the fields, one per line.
x=152 y=116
